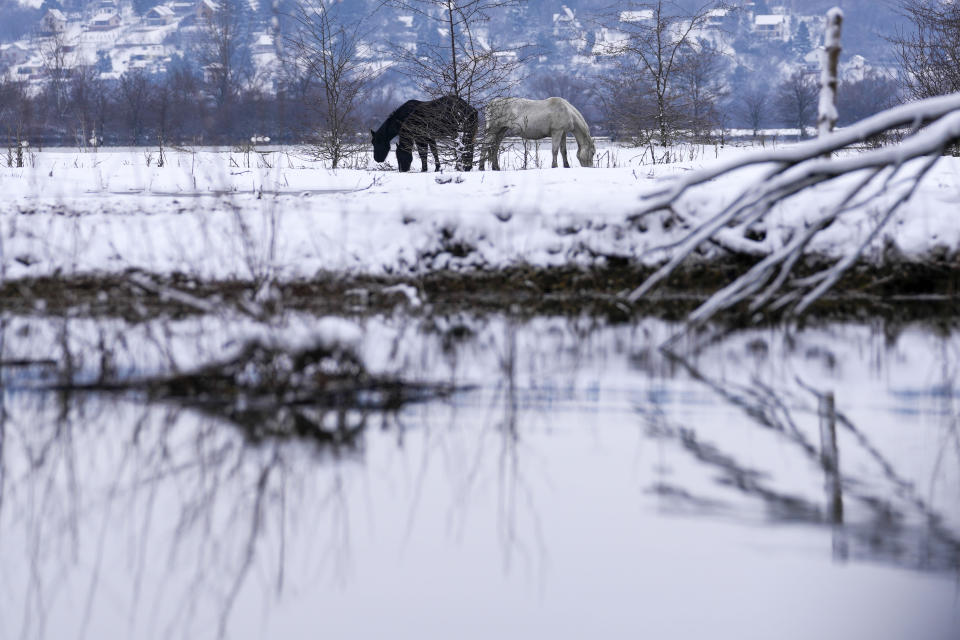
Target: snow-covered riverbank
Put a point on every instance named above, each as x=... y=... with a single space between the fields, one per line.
x=223 y=215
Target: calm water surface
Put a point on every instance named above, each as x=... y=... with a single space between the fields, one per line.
x=583 y=485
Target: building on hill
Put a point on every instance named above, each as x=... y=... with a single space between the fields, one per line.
x=13 y=54
x=159 y=16
x=263 y=44
x=716 y=18
x=104 y=22
x=53 y=21
x=206 y=9
x=772 y=26
x=643 y=15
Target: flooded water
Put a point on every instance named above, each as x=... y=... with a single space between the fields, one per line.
x=580 y=484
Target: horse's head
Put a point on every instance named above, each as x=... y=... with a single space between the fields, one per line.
x=381 y=147
x=585 y=154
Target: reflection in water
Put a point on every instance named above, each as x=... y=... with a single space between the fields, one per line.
x=567 y=462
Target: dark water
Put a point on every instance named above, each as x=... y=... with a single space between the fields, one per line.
x=583 y=484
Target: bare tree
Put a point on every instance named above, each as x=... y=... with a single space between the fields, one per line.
x=628 y=104
x=224 y=50
x=13 y=96
x=701 y=86
x=185 y=112
x=579 y=91
x=754 y=104
x=929 y=53
x=325 y=52
x=797 y=101
x=88 y=103
x=865 y=96
x=133 y=94
x=655 y=36
x=56 y=69
x=464 y=62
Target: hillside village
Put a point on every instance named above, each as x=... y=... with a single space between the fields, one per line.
x=112 y=39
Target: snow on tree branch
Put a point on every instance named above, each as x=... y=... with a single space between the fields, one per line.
x=894 y=171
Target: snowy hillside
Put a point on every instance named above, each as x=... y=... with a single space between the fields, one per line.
x=118 y=35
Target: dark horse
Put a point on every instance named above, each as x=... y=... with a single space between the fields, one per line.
x=423 y=123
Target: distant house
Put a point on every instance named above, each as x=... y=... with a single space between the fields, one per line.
x=159 y=16
x=206 y=9
x=13 y=54
x=716 y=18
x=263 y=44
x=772 y=26
x=104 y=22
x=212 y=72
x=53 y=21
x=566 y=15
x=104 y=6
x=644 y=15
x=183 y=8
x=30 y=72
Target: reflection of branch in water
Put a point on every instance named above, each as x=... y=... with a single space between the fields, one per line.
x=256 y=522
x=940 y=546
x=905 y=489
x=949 y=410
x=3 y=411
x=762 y=404
x=512 y=487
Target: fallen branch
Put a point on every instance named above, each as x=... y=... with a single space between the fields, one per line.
x=795 y=170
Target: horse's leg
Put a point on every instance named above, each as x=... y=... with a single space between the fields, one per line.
x=555 y=147
x=422 y=152
x=404 y=153
x=563 y=150
x=436 y=156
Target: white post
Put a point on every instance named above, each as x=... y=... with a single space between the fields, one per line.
x=830 y=57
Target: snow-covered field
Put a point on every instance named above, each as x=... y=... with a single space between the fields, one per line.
x=276 y=213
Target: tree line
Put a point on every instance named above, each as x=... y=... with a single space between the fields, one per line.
x=659 y=82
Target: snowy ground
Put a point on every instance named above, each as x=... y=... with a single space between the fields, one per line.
x=277 y=214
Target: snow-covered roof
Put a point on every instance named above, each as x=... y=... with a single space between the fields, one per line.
x=565 y=15
x=56 y=14
x=636 y=16
x=162 y=11
x=769 y=19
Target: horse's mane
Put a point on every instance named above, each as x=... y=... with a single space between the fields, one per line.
x=579 y=116
x=405 y=107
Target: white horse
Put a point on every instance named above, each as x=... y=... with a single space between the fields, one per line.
x=533 y=120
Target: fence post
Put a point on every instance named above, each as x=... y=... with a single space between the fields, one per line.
x=827 y=113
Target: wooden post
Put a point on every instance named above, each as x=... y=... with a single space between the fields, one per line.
x=827 y=114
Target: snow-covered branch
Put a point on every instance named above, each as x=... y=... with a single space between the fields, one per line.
x=894 y=172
